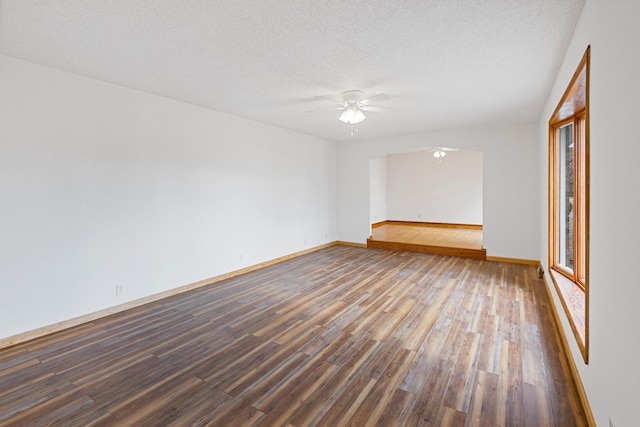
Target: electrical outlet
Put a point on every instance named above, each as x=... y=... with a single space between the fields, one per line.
x=419 y=215
x=305 y=240
x=119 y=290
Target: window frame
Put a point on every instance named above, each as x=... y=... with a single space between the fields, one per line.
x=572 y=285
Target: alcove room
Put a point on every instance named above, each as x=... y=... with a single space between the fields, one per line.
x=420 y=201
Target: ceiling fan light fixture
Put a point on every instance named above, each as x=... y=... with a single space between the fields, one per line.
x=439 y=153
x=352 y=115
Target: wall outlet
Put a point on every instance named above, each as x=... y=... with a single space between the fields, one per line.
x=119 y=290
x=241 y=257
x=305 y=240
x=419 y=215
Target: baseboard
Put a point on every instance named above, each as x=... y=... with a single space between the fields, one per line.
x=357 y=245
x=428 y=224
x=533 y=262
x=569 y=356
x=76 y=321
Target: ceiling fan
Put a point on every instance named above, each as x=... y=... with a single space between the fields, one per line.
x=440 y=152
x=353 y=105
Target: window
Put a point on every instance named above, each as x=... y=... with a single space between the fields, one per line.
x=565 y=199
x=569 y=201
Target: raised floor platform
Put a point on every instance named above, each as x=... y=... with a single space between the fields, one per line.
x=438 y=239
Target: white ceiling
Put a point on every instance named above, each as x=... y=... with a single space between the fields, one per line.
x=445 y=63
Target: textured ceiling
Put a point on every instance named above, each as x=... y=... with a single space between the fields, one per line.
x=445 y=63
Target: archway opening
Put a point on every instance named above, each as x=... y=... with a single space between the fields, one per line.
x=426 y=202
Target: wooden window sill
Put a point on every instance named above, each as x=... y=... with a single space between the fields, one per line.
x=574 y=302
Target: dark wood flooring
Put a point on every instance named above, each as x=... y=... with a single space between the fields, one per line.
x=340 y=336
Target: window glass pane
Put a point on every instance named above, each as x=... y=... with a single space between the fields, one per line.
x=581 y=209
x=566 y=197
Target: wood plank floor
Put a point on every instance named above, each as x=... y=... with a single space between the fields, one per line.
x=428 y=239
x=340 y=336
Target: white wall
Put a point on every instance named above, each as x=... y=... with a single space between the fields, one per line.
x=612 y=377
x=510 y=183
x=102 y=185
x=378 y=190
x=423 y=188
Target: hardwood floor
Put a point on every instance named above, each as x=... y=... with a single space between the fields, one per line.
x=424 y=238
x=341 y=336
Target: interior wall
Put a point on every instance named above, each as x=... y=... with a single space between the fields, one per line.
x=378 y=190
x=103 y=186
x=426 y=189
x=612 y=377
x=510 y=189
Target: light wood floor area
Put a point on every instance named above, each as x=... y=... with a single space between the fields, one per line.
x=428 y=239
x=340 y=336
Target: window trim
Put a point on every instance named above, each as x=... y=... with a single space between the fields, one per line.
x=572 y=286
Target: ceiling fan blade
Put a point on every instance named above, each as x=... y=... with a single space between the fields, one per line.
x=375 y=98
x=326 y=98
x=373 y=107
x=325 y=109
